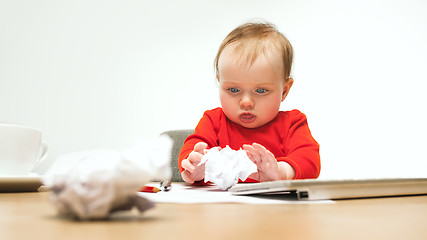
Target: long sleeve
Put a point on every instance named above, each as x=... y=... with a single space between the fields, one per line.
x=205 y=131
x=300 y=148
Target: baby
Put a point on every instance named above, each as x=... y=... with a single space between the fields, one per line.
x=253 y=68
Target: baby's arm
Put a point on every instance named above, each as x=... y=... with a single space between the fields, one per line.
x=192 y=172
x=268 y=167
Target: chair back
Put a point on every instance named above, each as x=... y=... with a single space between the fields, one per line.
x=178 y=137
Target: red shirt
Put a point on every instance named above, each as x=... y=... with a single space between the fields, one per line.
x=287 y=136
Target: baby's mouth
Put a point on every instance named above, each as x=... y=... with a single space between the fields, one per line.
x=247 y=117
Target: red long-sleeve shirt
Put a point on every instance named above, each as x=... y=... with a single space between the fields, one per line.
x=287 y=136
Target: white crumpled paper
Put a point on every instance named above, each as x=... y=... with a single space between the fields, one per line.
x=226 y=166
x=93 y=184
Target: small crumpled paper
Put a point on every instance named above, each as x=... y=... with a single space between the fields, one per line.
x=92 y=184
x=226 y=166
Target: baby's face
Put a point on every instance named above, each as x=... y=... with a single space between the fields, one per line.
x=251 y=96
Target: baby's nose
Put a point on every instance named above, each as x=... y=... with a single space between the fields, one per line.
x=247 y=102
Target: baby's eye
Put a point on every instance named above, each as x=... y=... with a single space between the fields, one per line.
x=234 y=90
x=260 y=90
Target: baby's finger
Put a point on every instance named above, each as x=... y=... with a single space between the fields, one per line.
x=186 y=176
x=195 y=158
x=259 y=147
x=250 y=156
x=248 y=152
x=200 y=147
x=266 y=155
x=252 y=153
x=186 y=164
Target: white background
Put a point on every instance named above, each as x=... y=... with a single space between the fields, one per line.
x=100 y=74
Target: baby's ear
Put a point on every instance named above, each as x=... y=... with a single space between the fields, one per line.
x=286 y=87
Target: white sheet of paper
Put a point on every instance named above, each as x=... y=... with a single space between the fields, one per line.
x=189 y=194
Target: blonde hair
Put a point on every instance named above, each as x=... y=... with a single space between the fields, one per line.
x=251 y=39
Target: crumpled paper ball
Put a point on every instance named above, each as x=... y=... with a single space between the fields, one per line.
x=226 y=166
x=92 y=184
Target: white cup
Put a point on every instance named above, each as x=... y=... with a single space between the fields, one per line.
x=21 y=149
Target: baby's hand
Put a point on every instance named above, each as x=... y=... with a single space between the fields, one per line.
x=192 y=172
x=268 y=167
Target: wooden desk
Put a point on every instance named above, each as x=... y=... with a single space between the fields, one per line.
x=31 y=216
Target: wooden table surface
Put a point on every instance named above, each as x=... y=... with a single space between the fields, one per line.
x=32 y=216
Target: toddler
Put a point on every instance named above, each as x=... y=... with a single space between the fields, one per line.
x=253 y=68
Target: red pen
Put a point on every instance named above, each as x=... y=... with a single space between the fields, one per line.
x=149 y=189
